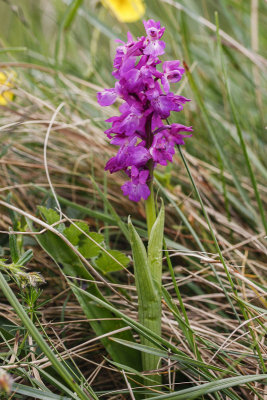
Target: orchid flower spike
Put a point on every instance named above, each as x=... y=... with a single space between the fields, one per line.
x=139 y=131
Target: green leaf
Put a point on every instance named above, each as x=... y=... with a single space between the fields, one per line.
x=25 y=258
x=82 y=209
x=164 y=354
x=63 y=255
x=71 y=265
x=211 y=387
x=88 y=248
x=73 y=234
x=149 y=303
x=36 y=393
x=14 y=251
x=71 y=13
x=143 y=278
x=152 y=337
x=26 y=321
x=154 y=250
x=50 y=215
x=108 y=324
x=107 y=264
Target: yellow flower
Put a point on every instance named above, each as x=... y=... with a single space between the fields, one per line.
x=126 y=10
x=6 y=82
x=5 y=381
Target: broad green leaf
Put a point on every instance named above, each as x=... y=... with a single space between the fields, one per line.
x=71 y=265
x=107 y=264
x=94 y=311
x=149 y=302
x=50 y=215
x=82 y=209
x=152 y=310
x=63 y=255
x=87 y=247
x=73 y=234
x=138 y=327
x=154 y=249
x=211 y=387
x=143 y=278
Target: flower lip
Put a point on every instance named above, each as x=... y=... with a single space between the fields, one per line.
x=153 y=29
x=174 y=76
x=152 y=33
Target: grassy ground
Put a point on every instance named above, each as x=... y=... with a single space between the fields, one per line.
x=213 y=314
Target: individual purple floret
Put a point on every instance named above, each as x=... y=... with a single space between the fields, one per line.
x=137 y=187
x=143 y=139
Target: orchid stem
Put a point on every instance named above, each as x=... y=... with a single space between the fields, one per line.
x=150 y=206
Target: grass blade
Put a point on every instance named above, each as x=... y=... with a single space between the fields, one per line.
x=239 y=132
x=211 y=387
x=36 y=393
x=33 y=331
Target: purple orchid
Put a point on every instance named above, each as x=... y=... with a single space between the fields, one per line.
x=107 y=97
x=137 y=188
x=172 y=73
x=162 y=149
x=143 y=139
x=129 y=155
x=154 y=46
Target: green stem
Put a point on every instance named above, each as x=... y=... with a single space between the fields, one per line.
x=150 y=206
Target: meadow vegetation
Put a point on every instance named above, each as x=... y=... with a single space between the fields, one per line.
x=68 y=302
